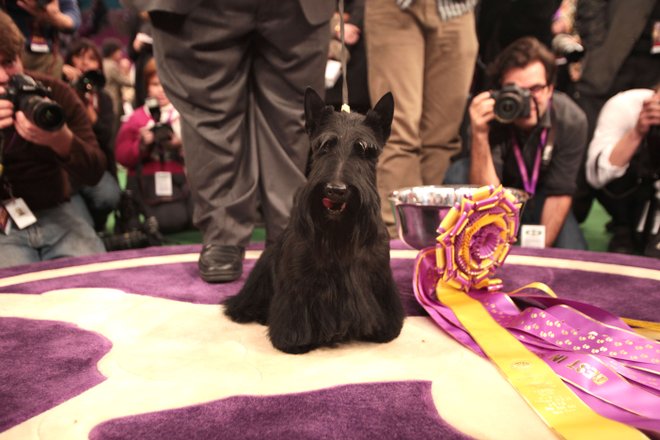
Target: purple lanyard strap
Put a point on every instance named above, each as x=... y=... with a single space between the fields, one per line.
x=530 y=186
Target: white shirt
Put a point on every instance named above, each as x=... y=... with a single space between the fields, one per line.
x=618 y=115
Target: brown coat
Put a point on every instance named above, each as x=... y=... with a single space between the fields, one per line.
x=36 y=173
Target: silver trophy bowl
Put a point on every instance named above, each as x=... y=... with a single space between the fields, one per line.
x=418 y=210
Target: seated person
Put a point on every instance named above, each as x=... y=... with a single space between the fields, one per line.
x=539 y=152
x=149 y=146
x=41 y=23
x=623 y=161
x=117 y=70
x=38 y=164
x=83 y=70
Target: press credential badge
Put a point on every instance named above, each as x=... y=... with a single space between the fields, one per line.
x=532 y=236
x=20 y=213
x=163 y=183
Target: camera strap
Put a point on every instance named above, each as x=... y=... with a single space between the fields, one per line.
x=529 y=185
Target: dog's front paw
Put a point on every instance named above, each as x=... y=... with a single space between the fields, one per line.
x=383 y=335
x=294 y=349
x=289 y=341
x=242 y=313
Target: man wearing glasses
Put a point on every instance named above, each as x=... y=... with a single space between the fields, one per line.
x=540 y=149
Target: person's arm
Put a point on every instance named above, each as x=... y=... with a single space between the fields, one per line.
x=60 y=141
x=133 y=134
x=74 y=144
x=619 y=132
x=115 y=74
x=63 y=15
x=627 y=146
x=104 y=122
x=482 y=169
x=553 y=215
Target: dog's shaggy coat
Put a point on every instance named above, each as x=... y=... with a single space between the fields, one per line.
x=327 y=278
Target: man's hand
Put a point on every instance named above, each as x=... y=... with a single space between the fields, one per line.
x=50 y=14
x=147 y=136
x=59 y=140
x=6 y=111
x=628 y=144
x=649 y=116
x=481 y=113
x=71 y=73
x=351 y=33
x=482 y=170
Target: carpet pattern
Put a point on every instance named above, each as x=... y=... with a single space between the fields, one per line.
x=133 y=344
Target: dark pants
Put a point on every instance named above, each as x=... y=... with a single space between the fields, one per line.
x=237 y=70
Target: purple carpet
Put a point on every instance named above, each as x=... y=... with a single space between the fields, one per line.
x=354 y=411
x=44 y=363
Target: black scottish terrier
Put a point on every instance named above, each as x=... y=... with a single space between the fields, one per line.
x=327 y=278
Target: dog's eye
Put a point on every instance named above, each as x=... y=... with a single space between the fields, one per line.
x=364 y=149
x=327 y=145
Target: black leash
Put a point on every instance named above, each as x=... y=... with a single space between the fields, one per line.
x=344 y=85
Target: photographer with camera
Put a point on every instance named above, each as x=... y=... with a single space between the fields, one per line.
x=149 y=146
x=40 y=22
x=44 y=143
x=623 y=160
x=529 y=136
x=83 y=70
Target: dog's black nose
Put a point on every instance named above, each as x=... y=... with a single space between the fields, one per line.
x=335 y=189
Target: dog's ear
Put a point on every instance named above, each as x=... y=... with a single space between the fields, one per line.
x=314 y=107
x=380 y=117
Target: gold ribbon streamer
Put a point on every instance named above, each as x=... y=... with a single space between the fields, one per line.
x=648 y=329
x=535 y=381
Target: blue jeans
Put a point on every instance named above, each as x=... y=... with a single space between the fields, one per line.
x=96 y=202
x=570 y=236
x=104 y=196
x=59 y=232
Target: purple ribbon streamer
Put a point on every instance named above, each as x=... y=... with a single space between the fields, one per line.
x=622 y=386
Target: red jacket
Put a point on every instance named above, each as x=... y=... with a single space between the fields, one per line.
x=127 y=147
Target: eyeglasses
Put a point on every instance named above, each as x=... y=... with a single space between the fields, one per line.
x=537 y=88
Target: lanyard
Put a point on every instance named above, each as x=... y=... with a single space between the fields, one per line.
x=530 y=186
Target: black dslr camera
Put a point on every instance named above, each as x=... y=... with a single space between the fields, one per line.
x=511 y=102
x=90 y=81
x=162 y=130
x=29 y=96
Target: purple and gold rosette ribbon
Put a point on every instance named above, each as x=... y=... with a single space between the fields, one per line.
x=583 y=370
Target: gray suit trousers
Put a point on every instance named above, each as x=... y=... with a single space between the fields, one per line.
x=237 y=70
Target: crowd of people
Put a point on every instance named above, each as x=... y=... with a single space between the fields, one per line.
x=203 y=102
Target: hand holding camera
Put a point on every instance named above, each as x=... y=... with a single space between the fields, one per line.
x=511 y=102
x=506 y=105
x=48 y=11
x=481 y=113
x=31 y=98
x=163 y=134
x=24 y=103
x=649 y=117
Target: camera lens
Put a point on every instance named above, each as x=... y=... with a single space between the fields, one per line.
x=508 y=108
x=47 y=115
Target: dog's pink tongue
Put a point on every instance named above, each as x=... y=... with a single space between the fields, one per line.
x=327 y=203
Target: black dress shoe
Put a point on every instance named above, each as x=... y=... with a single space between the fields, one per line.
x=220 y=263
